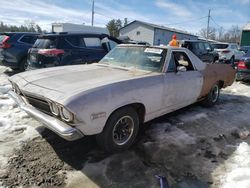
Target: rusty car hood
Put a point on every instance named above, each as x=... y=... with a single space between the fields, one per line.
x=62 y=82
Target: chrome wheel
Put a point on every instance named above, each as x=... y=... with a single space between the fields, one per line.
x=123 y=130
x=215 y=93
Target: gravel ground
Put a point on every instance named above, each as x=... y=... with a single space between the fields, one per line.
x=192 y=147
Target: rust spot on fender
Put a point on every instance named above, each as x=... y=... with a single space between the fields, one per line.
x=214 y=73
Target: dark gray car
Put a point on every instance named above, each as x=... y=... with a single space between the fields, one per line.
x=202 y=49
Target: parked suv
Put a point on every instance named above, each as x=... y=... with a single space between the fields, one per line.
x=202 y=49
x=14 y=48
x=228 y=52
x=69 y=48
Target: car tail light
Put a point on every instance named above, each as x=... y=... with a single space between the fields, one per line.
x=242 y=65
x=4 y=43
x=226 y=51
x=51 y=52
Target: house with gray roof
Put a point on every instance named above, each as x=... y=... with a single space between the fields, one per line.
x=153 y=34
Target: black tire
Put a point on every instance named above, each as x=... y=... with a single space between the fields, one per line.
x=216 y=60
x=23 y=65
x=122 y=123
x=231 y=61
x=212 y=96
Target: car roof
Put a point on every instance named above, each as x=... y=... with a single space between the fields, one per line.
x=70 y=34
x=32 y=33
x=221 y=43
x=194 y=41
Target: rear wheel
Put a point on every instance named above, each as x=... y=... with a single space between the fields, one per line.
x=120 y=130
x=23 y=65
x=216 y=60
x=231 y=61
x=212 y=96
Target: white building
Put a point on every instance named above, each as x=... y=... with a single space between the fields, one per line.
x=78 y=28
x=153 y=34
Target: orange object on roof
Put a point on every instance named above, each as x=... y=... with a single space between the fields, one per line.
x=174 y=41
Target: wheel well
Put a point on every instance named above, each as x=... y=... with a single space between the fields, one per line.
x=221 y=83
x=138 y=107
x=21 y=59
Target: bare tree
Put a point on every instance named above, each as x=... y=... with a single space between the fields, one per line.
x=211 y=34
x=220 y=33
x=234 y=33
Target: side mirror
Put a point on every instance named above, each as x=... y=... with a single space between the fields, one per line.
x=181 y=69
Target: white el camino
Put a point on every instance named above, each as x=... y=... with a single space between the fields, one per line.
x=111 y=99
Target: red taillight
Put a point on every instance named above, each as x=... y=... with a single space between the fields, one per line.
x=51 y=52
x=242 y=65
x=4 y=43
x=226 y=51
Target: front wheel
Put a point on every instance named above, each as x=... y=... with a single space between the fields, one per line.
x=120 y=130
x=212 y=96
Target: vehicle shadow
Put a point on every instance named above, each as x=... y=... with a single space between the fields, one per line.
x=149 y=156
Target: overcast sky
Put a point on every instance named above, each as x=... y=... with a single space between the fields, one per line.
x=189 y=15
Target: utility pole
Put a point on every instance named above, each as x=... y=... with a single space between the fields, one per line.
x=208 y=20
x=93 y=12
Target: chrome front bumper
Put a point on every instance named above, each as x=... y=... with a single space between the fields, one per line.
x=59 y=127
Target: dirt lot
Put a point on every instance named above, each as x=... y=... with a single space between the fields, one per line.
x=193 y=147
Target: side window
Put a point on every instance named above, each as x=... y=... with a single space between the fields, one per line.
x=28 y=39
x=92 y=42
x=201 y=46
x=181 y=59
x=207 y=46
x=75 y=41
x=234 y=47
x=112 y=44
x=171 y=66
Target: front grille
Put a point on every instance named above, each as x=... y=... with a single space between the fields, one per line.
x=38 y=102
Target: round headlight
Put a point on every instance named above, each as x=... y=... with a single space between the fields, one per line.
x=54 y=109
x=66 y=115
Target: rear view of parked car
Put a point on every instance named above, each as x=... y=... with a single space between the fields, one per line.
x=69 y=49
x=243 y=68
x=14 y=47
x=228 y=52
x=201 y=49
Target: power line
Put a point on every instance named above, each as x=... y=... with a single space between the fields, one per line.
x=215 y=22
x=187 y=21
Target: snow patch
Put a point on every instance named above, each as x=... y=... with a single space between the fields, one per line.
x=235 y=172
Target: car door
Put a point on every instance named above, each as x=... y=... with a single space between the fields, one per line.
x=181 y=88
x=209 y=58
x=75 y=50
x=94 y=49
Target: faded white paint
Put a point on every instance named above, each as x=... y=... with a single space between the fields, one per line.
x=101 y=89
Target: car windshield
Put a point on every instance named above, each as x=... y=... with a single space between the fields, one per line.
x=219 y=46
x=145 y=58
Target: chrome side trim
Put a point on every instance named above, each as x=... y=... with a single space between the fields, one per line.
x=62 y=129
